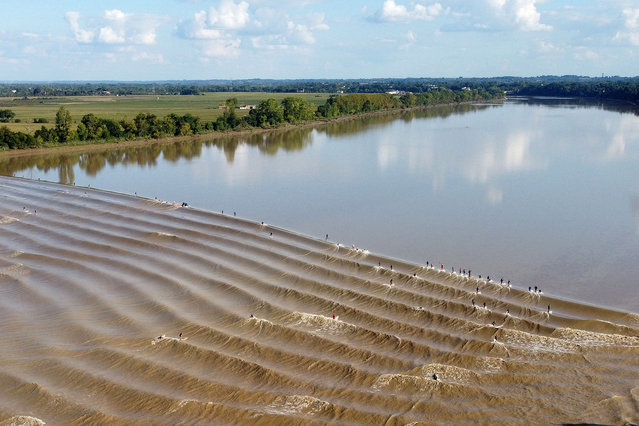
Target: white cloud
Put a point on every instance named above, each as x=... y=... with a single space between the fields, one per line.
x=81 y=35
x=631 y=24
x=300 y=33
x=393 y=12
x=216 y=29
x=115 y=31
x=115 y=15
x=277 y=31
x=197 y=28
x=229 y=15
x=522 y=12
x=111 y=35
x=116 y=27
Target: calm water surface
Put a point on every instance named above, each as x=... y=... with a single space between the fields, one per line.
x=543 y=193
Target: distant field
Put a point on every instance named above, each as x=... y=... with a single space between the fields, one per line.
x=205 y=106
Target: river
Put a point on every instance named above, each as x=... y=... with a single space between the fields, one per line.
x=542 y=192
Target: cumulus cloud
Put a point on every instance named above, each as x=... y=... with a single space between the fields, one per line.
x=198 y=28
x=282 y=32
x=522 y=12
x=81 y=35
x=491 y=15
x=216 y=28
x=116 y=27
x=631 y=27
x=111 y=35
x=229 y=15
x=394 y=12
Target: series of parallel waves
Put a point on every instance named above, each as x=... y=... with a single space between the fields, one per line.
x=122 y=310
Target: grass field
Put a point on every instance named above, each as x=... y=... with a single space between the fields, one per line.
x=205 y=106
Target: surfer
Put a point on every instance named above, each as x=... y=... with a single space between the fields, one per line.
x=548 y=308
x=435 y=377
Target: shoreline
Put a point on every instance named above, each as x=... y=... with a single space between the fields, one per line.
x=107 y=145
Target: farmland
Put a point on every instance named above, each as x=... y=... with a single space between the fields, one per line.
x=205 y=106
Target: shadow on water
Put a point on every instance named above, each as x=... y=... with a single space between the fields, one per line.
x=622 y=107
x=94 y=161
x=289 y=140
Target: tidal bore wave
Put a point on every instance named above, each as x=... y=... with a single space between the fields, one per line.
x=123 y=310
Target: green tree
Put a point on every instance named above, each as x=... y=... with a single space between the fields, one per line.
x=267 y=114
x=92 y=124
x=6 y=115
x=82 y=132
x=408 y=99
x=297 y=109
x=63 y=124
x=229 y=119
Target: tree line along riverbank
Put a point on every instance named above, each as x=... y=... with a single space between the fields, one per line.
x=268 y=113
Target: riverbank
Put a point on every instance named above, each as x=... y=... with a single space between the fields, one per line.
x=91 y=146
x=127 y=310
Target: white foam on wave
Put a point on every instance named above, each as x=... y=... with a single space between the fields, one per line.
x=404 y=382
x=319 y=323
x=8 y=219
x=15 y=270
x=23 y=421
x=163 y=234
x=593 y=339
x=296 y=404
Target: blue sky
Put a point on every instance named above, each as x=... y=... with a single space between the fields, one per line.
x=221 y=39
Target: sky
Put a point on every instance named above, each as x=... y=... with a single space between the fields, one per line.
x=141 y=40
